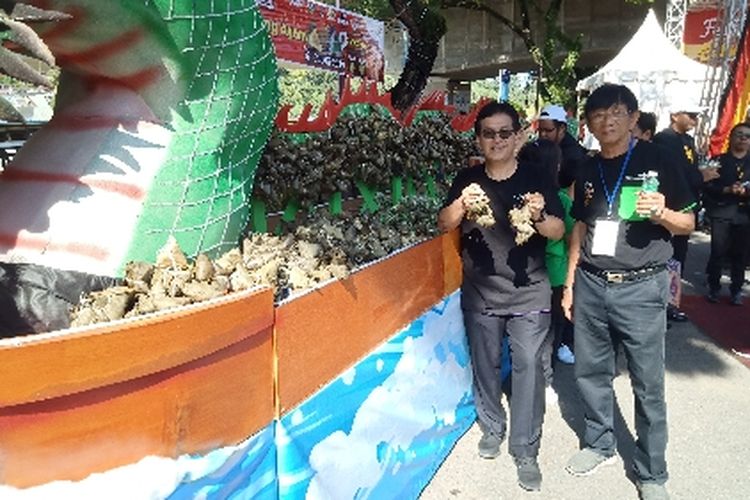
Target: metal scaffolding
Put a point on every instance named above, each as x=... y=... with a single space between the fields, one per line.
x=730 y=22
x=674 y=23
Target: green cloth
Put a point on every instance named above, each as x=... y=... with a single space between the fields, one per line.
x=556 y=252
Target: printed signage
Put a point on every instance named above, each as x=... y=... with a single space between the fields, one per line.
x=322 y=36
x=700 y=27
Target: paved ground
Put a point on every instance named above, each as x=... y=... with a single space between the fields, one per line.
x=708 y=398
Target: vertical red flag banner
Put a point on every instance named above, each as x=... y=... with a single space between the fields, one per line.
x=321 y=36
x=700 y=28
x=734 y=101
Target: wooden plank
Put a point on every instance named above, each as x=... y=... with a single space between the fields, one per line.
x=189 y=381
x=51 y=365
x=321 y=334
x=452 y=266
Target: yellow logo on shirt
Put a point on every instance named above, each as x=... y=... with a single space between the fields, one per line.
x=689 y=154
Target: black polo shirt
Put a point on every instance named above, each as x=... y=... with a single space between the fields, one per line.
x=639 y=243
x=500 y=277
x=728 y=206
x=681 y=148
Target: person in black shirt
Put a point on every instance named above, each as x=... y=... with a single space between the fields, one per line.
x=505 y=289
x=727 y=203
x=645 y=127
x=618 y=251
x=681 y=147
x=552 y=125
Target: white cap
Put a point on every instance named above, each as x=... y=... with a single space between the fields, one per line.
x=553 y=112
x=685 y=106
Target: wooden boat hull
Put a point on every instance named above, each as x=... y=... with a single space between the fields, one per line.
x=206 y=377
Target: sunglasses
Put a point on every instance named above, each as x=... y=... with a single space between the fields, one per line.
x=489 y=134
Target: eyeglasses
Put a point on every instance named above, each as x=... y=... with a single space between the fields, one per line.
x=616 y=114
x=489 y=134
x=741 y=135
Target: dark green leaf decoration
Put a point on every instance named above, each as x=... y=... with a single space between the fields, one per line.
x=15 y=30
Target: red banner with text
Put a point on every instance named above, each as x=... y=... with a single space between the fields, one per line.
x=700 y=27
x=321 y=36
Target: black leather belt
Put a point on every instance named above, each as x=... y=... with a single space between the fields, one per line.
x=621 y=276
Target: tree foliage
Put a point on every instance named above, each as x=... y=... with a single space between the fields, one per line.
x=554 y=51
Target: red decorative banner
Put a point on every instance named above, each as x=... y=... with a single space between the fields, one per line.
x=700 y=27
x=321 y=36
x=734 y=101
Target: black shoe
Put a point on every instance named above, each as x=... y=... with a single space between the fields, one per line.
x=529 y=476
x=737 y=299
x=489 y=446
x=713 y=296
x=674 y=314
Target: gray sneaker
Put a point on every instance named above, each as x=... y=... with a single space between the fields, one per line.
x=652 y=491
x=489 y=446
x=587 y=460
x=529 y=476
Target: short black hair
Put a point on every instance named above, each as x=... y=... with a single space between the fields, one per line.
x=741 y=124
x=647 y=122
x=546 y=154
x=608 y=95
x=497 y=108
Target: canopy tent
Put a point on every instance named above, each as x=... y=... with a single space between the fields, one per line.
x=654 y=69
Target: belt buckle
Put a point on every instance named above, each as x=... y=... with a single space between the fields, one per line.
x=615 y=277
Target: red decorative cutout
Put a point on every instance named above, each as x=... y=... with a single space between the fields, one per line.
x=368 y=94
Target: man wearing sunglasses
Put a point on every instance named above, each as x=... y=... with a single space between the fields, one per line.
x=505 y=289
x=680 y=146
x=728 y=207
x=552 y=125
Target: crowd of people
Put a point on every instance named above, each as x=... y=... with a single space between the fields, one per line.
x=594 y=277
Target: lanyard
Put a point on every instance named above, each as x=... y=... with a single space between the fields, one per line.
x=611 y=196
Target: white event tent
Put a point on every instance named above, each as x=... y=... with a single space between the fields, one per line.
x=654 y=69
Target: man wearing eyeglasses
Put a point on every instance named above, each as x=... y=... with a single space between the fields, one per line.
x=505 y=289
x=680 y=145
x=552 y=125
x=619 y=247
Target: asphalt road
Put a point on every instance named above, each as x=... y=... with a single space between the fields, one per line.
x=708 y=401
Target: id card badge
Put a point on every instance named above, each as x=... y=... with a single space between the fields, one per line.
x=605 y=237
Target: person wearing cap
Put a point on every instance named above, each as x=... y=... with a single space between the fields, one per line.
x=552 y=125
x=617 y=284
x=680 y=145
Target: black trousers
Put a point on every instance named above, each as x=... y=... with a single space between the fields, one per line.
x=680 y=250
x=560 y=332
x=730 y=242
x=527 y=334
x=634 y=313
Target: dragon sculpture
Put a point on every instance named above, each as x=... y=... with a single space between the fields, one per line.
x=162 y=110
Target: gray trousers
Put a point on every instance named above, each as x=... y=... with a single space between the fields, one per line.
x=635 y=312
x=527 y=334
